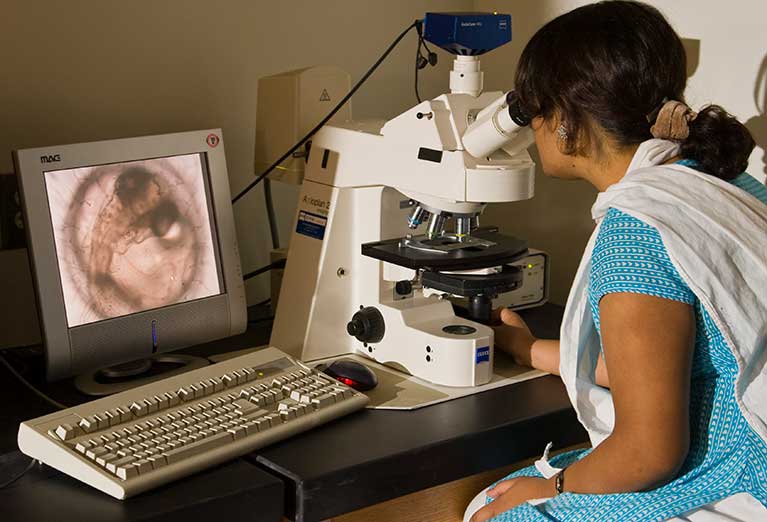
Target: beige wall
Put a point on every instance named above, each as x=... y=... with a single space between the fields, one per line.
x=85 y=70
x=732 y=71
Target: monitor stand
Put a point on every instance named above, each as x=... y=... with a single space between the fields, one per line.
x=122 y=377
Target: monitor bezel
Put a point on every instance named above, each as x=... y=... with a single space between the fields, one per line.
x=31 y=166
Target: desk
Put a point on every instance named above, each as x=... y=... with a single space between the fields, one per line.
x=229 y=491
x=354 y=462
x=374 y=456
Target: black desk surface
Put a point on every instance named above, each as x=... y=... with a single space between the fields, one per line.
x=373 y=456
x=357 y=461
x=236 y=490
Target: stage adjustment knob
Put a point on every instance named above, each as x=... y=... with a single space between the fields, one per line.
x=367 y=325
x=403 y=287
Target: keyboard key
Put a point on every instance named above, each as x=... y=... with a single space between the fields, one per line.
x=217 y=384
x=117 y=463
x=106 y=458
x=184 y=395
x=237 y=432
x=243 y=406
x=123 y=413
x=323 y=401
x=196 y=389
x=95 y=452
x=151 y=405
x=88 y=424
x=67 y=431
x=83 y=446
x=127 y=471
x=139 y=409
x=157 y=461
x=162 y=402
x=143 y=465
x=198 y=447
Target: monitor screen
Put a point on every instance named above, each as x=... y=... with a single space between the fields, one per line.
x=133 y=236
x=132 y=247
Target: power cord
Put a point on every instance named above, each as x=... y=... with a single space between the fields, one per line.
x=16 y=477
x=280 y=263
x=327 y=118
x=26 y=383
x=270 y=214
x=422 y=61
x=40 y=394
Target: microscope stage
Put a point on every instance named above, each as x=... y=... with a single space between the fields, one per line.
x=496 y=250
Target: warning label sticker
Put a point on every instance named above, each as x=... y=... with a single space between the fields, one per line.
x=312 y=225
x=324 y=96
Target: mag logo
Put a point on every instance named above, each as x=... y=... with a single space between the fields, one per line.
x=50 y=158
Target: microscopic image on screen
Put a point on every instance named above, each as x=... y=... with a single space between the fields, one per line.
x=132 y=236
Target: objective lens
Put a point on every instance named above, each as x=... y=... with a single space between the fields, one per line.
x=417 y=216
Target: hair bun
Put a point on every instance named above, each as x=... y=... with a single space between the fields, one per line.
x=718 y=142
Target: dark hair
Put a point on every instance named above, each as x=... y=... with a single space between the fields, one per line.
x=612 y=64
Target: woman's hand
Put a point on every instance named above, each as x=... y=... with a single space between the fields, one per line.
x=511 y=493
x=514 y=337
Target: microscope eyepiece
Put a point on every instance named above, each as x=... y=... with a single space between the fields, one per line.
x=503 y=124
x=516 y=112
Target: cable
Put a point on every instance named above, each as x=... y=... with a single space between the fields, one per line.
x=422 y=61
x=26 y=383
x=326 y=118
x=280 y=263
x=417 y=68
x=19 y=475
x=262 y=303
x=271 y=215
x=261 y=320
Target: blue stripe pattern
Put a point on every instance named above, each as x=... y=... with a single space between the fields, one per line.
x=726 y=456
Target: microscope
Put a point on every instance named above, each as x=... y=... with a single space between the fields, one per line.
x=387 y=231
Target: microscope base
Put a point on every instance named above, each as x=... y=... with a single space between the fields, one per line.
x=424 y=337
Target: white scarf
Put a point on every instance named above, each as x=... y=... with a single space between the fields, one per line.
x=716 y=237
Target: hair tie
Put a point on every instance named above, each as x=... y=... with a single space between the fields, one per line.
x=672 y=121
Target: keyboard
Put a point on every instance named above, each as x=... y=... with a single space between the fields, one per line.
x=142 y=438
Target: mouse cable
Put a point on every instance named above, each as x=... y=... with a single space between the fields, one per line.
x=326 y=118
x=26 y=383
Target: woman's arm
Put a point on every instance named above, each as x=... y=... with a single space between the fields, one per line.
x=648 y=345
x=515 y=338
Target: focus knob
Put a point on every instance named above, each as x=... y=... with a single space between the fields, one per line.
x=367 y=325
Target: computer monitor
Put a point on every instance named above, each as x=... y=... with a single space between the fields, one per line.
x=132 y=247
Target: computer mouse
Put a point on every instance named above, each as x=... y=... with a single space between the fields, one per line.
x=353 y=374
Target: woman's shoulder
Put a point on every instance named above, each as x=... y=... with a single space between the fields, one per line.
x=629 y=256
x=618 y=227
x=626 y=239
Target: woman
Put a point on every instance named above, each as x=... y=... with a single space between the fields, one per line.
x=663 y=341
